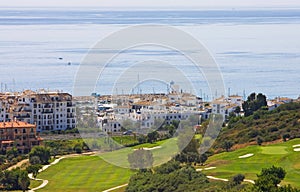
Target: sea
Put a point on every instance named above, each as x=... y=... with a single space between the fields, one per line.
x=255 y=50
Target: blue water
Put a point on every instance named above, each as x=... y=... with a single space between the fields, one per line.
x=256 y=50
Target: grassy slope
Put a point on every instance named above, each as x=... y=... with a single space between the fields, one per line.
x=34 y=183
x=169 y=149
x=268 y=125
x=161 y=155
x=228 y=164
x=85 y=173
x=94 y=174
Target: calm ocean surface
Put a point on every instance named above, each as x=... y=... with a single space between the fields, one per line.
x=256 y=50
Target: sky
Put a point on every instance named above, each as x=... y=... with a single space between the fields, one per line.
x=205 y=4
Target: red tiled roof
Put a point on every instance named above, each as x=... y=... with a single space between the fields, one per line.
x=6 y=142
x=16 y=124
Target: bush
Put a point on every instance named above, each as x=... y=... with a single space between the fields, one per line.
x=238 y=179
x=259 y=141
x=15 y=179
x=41 y=152
x=34 y=169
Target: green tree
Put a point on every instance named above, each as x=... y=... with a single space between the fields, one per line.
x=168 y=167
x=238 y=179
x=140 y=159
x=15 y=179
x=203 y=158
x=12 y=153
x=34 y=169
x=42 y=152
x=237 y=110
x=10 y=179
x=259 y=140
x=269 y=179
x=254 y=102
x=152 y=136
x=78 y=148
x=227 y=145
x=23 y=180
x=2 y=159
x=33 y=160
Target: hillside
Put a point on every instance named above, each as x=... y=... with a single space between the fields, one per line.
x=250 y=160
x=263 y=126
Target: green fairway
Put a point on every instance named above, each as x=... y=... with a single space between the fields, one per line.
x=84 y=173
x=275 y=150
x=34 y=183
x=160 y=155
x=228 y=164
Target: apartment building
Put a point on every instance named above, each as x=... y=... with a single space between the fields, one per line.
x=3 y=111
x=225 y=106
x=50 y=111
x=21 y=135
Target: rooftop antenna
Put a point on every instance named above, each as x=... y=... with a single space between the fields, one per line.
x=229 y=92
x=153 y=90
x=14 y=85
x=244 y=93
x=138 y=83
x=1 y=87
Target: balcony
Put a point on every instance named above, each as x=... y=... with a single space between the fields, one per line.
x=70 y=116
x=47 y=111
x=69 y=104
x=49 y=106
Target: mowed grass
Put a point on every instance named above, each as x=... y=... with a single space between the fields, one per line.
x=84 y=173
x=161 y=155
x=168 y=149
x=228 y=164
x=34 y=183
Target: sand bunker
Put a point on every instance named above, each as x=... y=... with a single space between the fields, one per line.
x=148 y=149
x=145 y=148
x=245 y=156
x=297 y=149
x=208 y=168
x=296 y=145
x=215 y=178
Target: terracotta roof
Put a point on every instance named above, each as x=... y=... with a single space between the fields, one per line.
x=16 y=124
x=7 y=142
x=143 y=103
x=235 y=96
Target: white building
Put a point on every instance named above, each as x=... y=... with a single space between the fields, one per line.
x=225 y=106
x=3 y=112
x=48 y=110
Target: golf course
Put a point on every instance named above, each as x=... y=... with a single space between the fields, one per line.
x=84 y=173
x=92 y=173
x=250 y=160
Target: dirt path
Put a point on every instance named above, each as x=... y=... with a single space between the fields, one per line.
x=114 y=188
x=209 y=177
x=19 y=164
x=221 y=179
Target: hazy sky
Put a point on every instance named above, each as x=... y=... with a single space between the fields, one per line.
x=152 y=3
